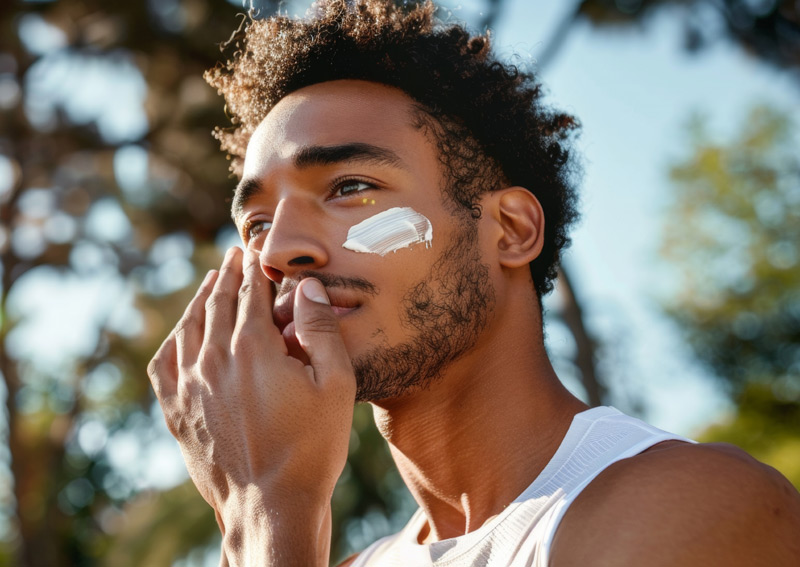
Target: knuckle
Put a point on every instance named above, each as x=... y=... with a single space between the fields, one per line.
x=245 y=337
x=153 y=368
x=218 y=299
x=158 y=371
x=228 y=269
x=247 y=343
x=211 y=358
x=247 y=289
x=162 y=380
x=188 y=320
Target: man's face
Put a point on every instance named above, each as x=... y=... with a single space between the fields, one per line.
x=334 y=155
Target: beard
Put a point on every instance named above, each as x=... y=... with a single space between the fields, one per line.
x=447 y=311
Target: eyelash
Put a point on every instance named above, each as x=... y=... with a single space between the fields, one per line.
x=247 y=227
x=341 y=182
x=335 y=187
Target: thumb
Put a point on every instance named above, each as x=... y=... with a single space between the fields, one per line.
x=317 y=331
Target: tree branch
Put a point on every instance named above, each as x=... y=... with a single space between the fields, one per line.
x=559 y=36
x=572 y=315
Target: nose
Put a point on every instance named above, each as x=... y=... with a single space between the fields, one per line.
x=294 y=241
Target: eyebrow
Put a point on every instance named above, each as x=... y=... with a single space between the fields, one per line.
x=311 y=156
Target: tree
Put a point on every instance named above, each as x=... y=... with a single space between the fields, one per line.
x=733 y=235
x=93 y=202
x=770 y=29
x=127 y=215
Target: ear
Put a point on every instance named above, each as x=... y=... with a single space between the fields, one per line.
x=520 y=218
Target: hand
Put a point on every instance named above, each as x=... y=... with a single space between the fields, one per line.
x=264 y=435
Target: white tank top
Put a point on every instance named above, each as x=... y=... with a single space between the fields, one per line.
x=522 y=533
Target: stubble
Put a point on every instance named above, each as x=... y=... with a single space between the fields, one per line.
x=447 y=311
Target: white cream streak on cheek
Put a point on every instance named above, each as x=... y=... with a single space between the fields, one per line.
x=388 y=231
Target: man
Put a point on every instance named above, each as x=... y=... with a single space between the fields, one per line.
x=403 y=201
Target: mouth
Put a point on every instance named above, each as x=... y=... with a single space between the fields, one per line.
x=342 y=305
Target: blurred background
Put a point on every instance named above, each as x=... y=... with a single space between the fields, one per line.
x=679 y=300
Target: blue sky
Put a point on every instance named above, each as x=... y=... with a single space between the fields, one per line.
x=634 y=91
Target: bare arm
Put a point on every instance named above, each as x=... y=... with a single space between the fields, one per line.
x=684 y=505
x=264 y=435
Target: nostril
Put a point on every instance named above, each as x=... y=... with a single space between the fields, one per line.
x=301 y=260
x=273 y=274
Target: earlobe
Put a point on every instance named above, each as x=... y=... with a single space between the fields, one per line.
x=521 y=219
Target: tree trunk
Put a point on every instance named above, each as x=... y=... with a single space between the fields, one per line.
x=572 y=315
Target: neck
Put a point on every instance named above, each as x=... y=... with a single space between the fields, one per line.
x=469 y=444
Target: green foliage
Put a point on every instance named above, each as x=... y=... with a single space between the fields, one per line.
x=733 y=234
x=767 y=426
x=155 y=529
x=370 y=500
x=71 y=505
x=135 y=216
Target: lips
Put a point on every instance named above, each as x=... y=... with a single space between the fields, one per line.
x=283 y=312
x=342 y=303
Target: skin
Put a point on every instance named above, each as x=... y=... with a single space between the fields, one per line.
x=262 y=410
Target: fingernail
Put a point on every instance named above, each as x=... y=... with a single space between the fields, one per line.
x=314 y=291
x=231 y=251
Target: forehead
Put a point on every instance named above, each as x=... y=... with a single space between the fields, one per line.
x=333 y=113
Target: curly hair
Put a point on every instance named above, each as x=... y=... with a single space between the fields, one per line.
x=487 y=118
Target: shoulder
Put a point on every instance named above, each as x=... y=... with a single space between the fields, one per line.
x=683 y=504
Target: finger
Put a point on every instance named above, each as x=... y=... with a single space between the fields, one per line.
x=190 y=329
x=256 y=300
x=163 y=370
x=317 y=330
x=221 y=304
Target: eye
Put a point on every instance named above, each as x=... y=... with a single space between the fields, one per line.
x=350 y=187
x=252 y=229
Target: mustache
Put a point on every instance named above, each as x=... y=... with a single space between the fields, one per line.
x=329 y=281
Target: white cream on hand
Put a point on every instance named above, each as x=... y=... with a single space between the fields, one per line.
x=389 y=231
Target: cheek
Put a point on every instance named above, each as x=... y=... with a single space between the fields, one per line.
x=389 y=231
x=383 y=319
